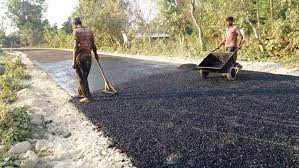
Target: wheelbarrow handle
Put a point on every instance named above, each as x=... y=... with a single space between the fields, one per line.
x=219 y=48
x=238 y=49
x=215 y=49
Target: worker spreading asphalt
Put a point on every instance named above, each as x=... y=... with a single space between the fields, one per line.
x=177 y=119
x=174 y=118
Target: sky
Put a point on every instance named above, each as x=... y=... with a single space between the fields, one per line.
x=58 y=11
x=149 y=8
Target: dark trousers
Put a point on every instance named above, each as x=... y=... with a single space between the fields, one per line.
x=83 y=67
x=232 y=49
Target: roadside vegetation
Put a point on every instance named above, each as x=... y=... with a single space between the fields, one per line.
x=14 y=121
x=186 y=28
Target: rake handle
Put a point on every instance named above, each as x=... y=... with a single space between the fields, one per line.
x=101 y=69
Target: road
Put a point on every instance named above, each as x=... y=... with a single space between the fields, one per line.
x=58 y=64
x=170 y=117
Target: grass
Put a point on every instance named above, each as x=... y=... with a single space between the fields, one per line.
x=14 y=121
x=10 y=81
x=292 y=62
x=14 y=126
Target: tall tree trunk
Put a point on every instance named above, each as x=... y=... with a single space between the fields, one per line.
x=197 y=24
x=148 y=33
x=182 y=41
x=258 y=18
x=261 y=45
x=289 y=4
x=3 y=27
x=271 y=9
x=289 y=7
x=256 y=29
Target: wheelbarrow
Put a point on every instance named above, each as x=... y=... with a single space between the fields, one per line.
x=219 y=62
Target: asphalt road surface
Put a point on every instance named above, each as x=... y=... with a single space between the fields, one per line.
x=58 y=64
x=170 y=117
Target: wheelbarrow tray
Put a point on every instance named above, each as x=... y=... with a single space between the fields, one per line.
x=217 y=62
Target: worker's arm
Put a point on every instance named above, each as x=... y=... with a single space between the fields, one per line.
x=94 y=48
x=241 y=37
x=223 y=42
x=75 y=51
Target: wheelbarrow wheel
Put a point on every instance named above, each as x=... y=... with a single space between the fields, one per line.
x=203 y=73
x=232 y=73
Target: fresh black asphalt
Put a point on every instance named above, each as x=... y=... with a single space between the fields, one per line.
x=178 y=119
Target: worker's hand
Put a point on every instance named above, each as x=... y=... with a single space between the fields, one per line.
x=220 y=45
x=74 y=66
x=96 y=56
x=216 y=49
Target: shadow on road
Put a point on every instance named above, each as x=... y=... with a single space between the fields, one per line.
x=178 y=119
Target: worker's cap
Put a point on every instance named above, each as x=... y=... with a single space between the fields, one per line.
x=77 y=20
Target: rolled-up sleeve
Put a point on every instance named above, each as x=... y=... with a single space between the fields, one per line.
x=76 y=42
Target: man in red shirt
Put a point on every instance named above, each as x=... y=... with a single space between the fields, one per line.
x=231 y=39
x=83 y=45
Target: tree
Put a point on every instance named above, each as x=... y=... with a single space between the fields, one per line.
x=67 y=26
x=174 y=19
x=2 y=31
x=142 y=22
x=255 y=26
x=193 y=6
x=107 y=19
x=271 y=5
x=27 y=17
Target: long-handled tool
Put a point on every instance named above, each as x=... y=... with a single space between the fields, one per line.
x=108 y=86
x=215 y=49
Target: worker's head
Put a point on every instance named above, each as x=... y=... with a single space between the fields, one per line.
x=77 y=21
x=229 y=21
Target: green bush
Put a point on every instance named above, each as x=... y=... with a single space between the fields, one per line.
x=10 y=81
x=14 y=126
x=57 y=39
x=14 y=122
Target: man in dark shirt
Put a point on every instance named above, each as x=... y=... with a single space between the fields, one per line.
x=83 y=45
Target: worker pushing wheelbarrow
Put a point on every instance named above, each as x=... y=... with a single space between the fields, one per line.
x=220 y=62
x=224 y=62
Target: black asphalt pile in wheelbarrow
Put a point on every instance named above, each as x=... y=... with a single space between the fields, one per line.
x=219 y=62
